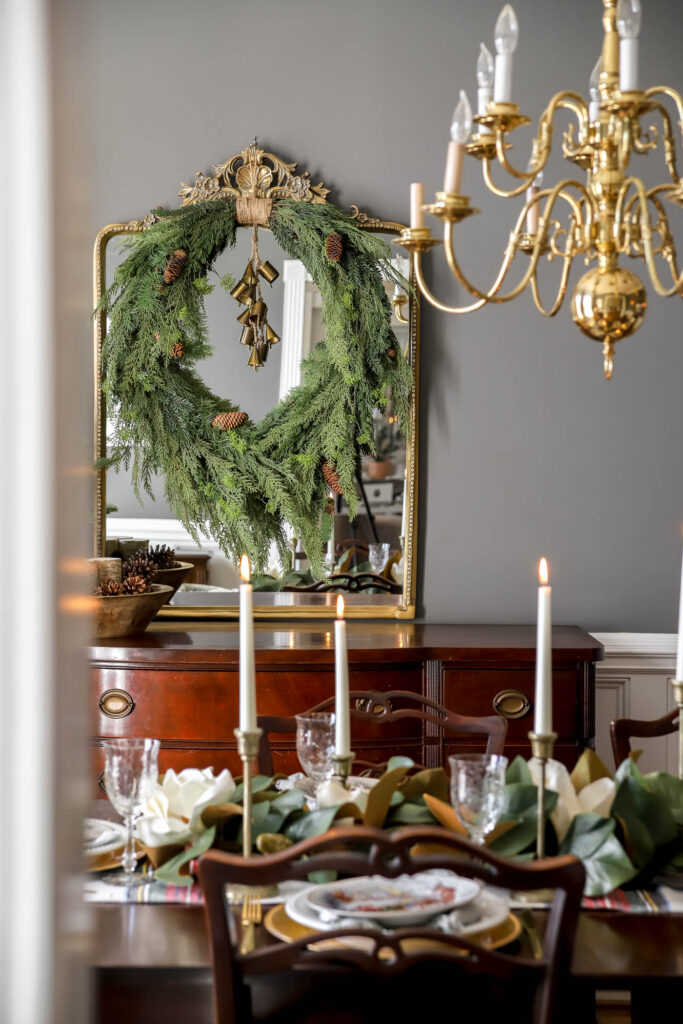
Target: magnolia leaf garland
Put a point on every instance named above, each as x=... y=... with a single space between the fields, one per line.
x=241 y=486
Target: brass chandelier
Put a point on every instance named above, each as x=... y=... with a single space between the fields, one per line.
x=611 y=215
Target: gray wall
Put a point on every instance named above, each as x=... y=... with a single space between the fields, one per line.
x=526 y=449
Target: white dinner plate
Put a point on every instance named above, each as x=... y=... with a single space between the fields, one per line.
x=396 y=902
x=486 y=911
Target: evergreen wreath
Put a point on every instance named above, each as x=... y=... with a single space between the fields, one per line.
x=241 y=486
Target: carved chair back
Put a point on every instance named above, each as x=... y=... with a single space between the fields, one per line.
x=453 y=972
x=622 y=729
x=373 y=707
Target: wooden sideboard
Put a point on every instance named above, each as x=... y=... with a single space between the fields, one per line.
x=182 y=686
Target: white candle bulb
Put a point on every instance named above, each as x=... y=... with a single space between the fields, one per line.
x=679 y=652
x=629 y=15
x=534 y=188
x=485 y=77
x=543 y=709
x=417 y=198
x=247 y=674
x=506 y=35
x=461 y=126
x=594 y=91
x=342 y=729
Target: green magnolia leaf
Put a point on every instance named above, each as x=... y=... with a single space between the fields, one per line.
x=586 y=834
x=670 y=789
x=518 y=771
x=607 y=868
x=399 y=762
x=521 y=807
x=313 y=824
x=411 y=814
x=322 y=877
x=290 y=800
x=259 y=783
x=645 y=818
x=170 y=871
x=512 y=843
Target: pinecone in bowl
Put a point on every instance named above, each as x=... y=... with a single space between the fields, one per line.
x=162 y=557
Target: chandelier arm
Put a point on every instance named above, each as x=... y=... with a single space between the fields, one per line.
x=541 y=237
x=666 y=90
x=646 y=236
x=669 y=141
x=666 y=249
x=431 y=298
x=561 y=291
x=542 y=144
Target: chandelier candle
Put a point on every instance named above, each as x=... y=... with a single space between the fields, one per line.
x=460 y=130
x=543 y=711
x=247 y=675
x=485 y=78
x=628 y=25
x=417 y=198
x=506 y=35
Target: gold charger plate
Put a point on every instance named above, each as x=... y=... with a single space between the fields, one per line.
x=281 y=926
x=111 y=859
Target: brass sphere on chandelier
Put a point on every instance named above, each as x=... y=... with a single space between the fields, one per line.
x=608 y=304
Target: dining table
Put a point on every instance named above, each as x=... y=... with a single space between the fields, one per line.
x=153 y=962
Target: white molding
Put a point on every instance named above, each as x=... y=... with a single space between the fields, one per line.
x=637 y=644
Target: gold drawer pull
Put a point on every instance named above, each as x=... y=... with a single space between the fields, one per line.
x=116 y=703
x=511 y=704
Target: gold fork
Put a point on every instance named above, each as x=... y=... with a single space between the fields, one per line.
x=251 y=916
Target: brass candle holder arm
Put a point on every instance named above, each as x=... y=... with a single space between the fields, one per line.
x=567 y=259
x=645 y=226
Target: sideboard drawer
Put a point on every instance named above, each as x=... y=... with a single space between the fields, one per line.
x=472 y=691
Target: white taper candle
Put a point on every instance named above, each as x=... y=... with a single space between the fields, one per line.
x=342 y=729
x=247 y=672
x=543 y=709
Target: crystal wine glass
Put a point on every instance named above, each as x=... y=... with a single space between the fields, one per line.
x=315 y=744
x=378 y=555
x=130 y=774
x=478 y=791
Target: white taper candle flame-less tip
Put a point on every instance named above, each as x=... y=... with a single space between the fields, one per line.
x=342 y=727
x=506 y=36
x=485 y=79
x=247 y=714
x=629 y=16
x=461 y=126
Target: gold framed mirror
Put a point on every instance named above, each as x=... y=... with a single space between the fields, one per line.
x=379 y=581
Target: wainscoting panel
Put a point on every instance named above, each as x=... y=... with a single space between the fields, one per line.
x=634 y=681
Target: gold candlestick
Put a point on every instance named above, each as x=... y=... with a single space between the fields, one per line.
x=342 y=767
x=677 y=685
x=247 y=748
x=542 y=744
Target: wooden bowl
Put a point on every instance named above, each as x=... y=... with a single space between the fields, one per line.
x=128 y=613
x=173 y=577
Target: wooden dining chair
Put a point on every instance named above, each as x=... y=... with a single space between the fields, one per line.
x=376 y=708
x=622 y=729
x=400 y=975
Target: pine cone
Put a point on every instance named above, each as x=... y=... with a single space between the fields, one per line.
x=139 y=565
x=334 y=247
x=228 y=420
x=178 y=350
x=175 y=266
x=329 y=508
x=331 y=478
x=110 y=588
x=162 y=557
x=135 y=585
x=391 y=353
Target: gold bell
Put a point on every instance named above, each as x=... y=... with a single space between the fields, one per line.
x=268 y=271
x=248 y=295
x=248 y=336
x=244 y=316
x=271 y=336
x=262 y=349
x=249 y=275
x=258 y=311
x=239 y=290
x=255 y=358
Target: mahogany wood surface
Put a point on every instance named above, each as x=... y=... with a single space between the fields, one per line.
x=623 y=729
x=183 y=684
